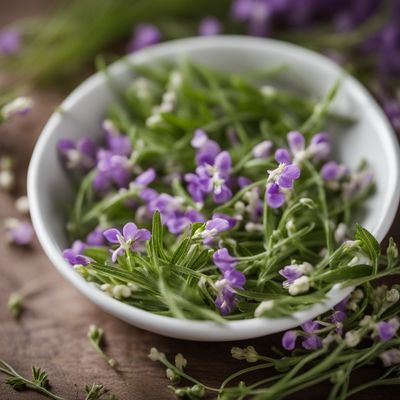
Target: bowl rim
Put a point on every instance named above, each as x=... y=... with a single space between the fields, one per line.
x=193 y=329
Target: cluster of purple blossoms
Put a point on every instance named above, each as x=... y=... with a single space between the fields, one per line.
x=212 y=173
x=310 y=340
x=174 y=215
x=231 y=280
x=130 y=239
x=77 y=154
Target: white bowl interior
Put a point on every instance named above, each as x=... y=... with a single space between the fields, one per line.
x=370 y=138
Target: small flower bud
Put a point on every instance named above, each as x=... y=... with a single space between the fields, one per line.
x=156 y=355
x=392 y=296
x=290 y=227
x=306 y=202
x=15 y=304
x=352 y=338
x=263 y=307
x=172 y=375
x=341 y=232
x=268 y=91
x=121 y=291
x=390 y=357
x=7 y=180
x=239 y=207
x=249 y=354
x=22 y=205
x=392 y=250
x=180 y=361
x=253 y=227
x=300 y=285
x=367 y=321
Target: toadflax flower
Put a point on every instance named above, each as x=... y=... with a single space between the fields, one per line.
x=144 y=35
x=293 y=272
x=117 y=143
x=130 y=239
x=76 y=154
x=230 y=280
x=207 y=149
x=386 y=330
x=212 y=178
x=214 y=227
x=74 y=254
x=18 y=232
x=262 y=149
x=289 y=340
x=173 y=213
x=111 y=169
x=313 y=341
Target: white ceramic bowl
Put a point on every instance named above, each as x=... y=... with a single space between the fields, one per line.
x=371 y=138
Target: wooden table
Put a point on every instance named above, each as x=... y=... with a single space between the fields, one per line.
x=52 y=331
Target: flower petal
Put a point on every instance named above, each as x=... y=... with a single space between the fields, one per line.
x=112 y=235
x=129 y=231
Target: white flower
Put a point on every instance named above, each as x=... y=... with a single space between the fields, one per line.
x=262 y=307
x=392 y=296
x=300 y=285
x=390 y=357
x=155 y=355
x=341 y=232
x=352 y=338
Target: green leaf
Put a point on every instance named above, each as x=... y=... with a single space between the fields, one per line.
x=181 y=251
x=156 y=245
x=368 y=242
x=39 y=377
x=346 y=273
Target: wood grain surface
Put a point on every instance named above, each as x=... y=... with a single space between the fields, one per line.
x=52 y=331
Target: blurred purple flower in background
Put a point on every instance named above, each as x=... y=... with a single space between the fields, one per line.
x=209 y=26
x=144 y=35
x=10 y=41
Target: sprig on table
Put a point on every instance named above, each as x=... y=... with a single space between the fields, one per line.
x=95 y=335
x=39 y=381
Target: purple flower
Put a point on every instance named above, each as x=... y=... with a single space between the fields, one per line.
x=146 y=177
x=226 y=298
x=256 y=13
x=310 y=326
x=131 y=239
x=296 y=142
x=387 y=330
x=194 y=187
x=117 y=143
x=10 y=41
x=145 y=35
x=289 y=340
x=209 y=26
x=332 y=171
x=337 y=318
x=320 y=146
x=232 y=221
x=212 y=178
x=96 y=237
x=359 y=180
x=18 y=232
x=77 y=154
x=243 y=181
x=274 y=197
x=213 y=228
x=111 y=169
x=207 y=149
x=173 y=214
x=263 y=149
x=312 y=342
x=283 y=156
x=223 y=260
x=74 y=255
x=291 y=273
